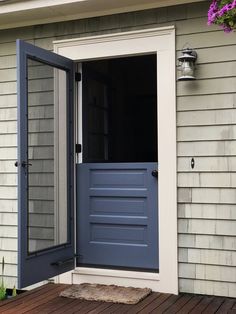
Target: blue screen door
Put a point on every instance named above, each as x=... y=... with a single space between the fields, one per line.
x=45 y=164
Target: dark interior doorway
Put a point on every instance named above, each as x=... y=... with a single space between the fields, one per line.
x=120 y=110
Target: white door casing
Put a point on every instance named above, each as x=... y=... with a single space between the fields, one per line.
x=160 y=41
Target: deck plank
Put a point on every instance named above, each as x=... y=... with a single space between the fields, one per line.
x=26 y=297
x=202 y=305
x=214 y=305
x=30 y=305
x=226 y=306
x=179 y=304
x=157 y=302
x=46 y=300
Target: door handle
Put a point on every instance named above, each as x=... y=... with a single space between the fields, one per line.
x=23 y=164
x=155 y=173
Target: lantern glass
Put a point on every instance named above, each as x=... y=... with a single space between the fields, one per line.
x=187 y=65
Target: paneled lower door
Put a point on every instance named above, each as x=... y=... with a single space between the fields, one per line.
x=117 y=218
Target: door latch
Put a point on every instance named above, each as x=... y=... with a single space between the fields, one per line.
x=155 y=173
x=23 y=164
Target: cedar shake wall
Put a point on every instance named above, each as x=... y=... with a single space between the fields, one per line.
x=206 y=130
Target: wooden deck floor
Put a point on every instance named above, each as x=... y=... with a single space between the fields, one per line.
x=46 y=300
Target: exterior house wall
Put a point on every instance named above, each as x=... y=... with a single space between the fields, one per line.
x=206 y=131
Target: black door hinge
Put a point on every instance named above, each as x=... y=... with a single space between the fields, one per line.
x=78 y=148
x=78 y=76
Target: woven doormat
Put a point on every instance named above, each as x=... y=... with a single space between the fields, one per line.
x=106 y=293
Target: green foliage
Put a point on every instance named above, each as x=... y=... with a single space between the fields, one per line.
x=2 y=287
x=14 y=293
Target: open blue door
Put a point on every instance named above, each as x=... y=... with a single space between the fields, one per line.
x=45 y=164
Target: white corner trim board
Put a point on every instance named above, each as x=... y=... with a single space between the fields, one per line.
x=160 y=41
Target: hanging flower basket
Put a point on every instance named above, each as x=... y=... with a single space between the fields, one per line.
x=223 y=13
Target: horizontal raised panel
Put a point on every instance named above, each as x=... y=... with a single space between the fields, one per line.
x=210 y=86
x=41 y=220
x=121 y=178
x=204 y=256
x=118 y=206
x=8 y=192
x=8 y=244
x=212 y=133
x=201 y=241
x=41 y=233
x=212 y=117
x=41 y=179
x=207 y=211
x=207 y=180
x=212 y=148
x=41 y=206
x=8 y=231
x=205 y=102
x=8 y=114
x=39 y=193
x=7 y=62
x=207 y=164
x=205 y=39
x=199 y=226
x=118 y=234
x=8 y=179
x=7 y=75
x=8 y=205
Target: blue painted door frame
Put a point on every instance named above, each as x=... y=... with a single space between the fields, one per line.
x=42 y=264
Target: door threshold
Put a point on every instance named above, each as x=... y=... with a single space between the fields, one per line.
x=116 y=277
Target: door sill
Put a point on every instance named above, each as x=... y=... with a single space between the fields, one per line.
x=116 y=277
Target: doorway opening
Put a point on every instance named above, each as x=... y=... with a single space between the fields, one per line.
x=117 y=179
x=120 y=109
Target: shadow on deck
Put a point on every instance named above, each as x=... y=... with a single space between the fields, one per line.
x=46 y=299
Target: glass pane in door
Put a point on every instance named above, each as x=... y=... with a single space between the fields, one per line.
x=46 y=168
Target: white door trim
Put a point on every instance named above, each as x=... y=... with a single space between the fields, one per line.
x=162 y=42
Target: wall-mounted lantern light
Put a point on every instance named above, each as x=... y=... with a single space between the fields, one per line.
x=187 y=64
